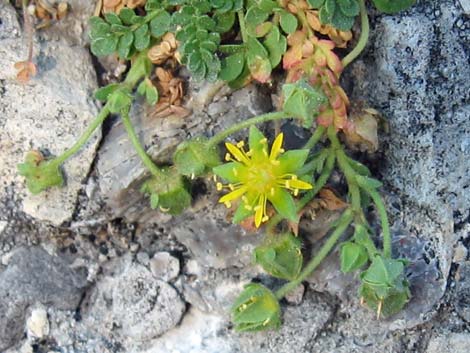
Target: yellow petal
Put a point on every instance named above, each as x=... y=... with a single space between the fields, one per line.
x=235 y=194
x=299 y=184
x=237 y=153
x=260 y=210
x=277 y=145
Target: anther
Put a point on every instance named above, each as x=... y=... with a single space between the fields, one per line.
x=296 y=192
x=228 y=157
x=193 y=176
x=287 y=184
x=231 y=187
x=265 y=218
x=248 y=207
x=240 y=144
x=219 y=186
x=228 y=204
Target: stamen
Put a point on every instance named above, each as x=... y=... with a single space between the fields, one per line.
x=296 y=192
x=240 y=144
x=228 y=204
x=231 y=187
x=193 y=176
x=266 y=321
x=265 y=218
x=287 y=184
x=219 y=186
x=294 y=177
x=282 y=150
x=228 y=157
x=248 y=207
x=214 y=177
x=275 y=162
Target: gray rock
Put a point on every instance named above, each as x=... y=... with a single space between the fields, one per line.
x=462 y=288
x=120 y=170
x=34 y=276
x=204 y=332
x=49 y=114
x=449 y=343
x=164 y=266
x=37 y=324
x=134 y=305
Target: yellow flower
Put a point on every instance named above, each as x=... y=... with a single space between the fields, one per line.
x=256 y=177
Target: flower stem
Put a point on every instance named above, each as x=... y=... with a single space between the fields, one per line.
x=85 y=136
x=387 y=238
x=244 y=124
x=343 y=224
x=138 y=147
x=361 y=44
x=317 y=135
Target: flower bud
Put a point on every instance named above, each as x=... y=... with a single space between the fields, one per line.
x=256 y=309
x=384 y=287
x=40 y=173
x=194 y=158
x=280 y=256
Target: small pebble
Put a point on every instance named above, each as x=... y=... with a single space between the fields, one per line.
x=37 y=324
x=165 y=266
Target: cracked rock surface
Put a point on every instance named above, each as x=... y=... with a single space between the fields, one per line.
x=91 y=268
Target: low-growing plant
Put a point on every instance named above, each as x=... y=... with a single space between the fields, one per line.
x=238 y=42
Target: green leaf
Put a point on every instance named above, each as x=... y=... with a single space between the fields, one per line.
x=194 y=158
x=267 y=5
x=103 y=46
x=224 y=21
x=254 y=16
x=205 y=22
x=256 y=309
x=125 y=45
x=393 y=6
x=232 y=67
x=291 y=161
x=280 y=256
x=288 y=22
x=127 y=16
x=302 y=101
x=342 y=22
x=160 y=24
x=353 y=257
x=276 y=44
x=284 y=204
x=103 y=93
x=316 y=4
x=241 y=213
x=227 y=171
x=142 y=38
x=112 y=18
x=349 y=8
x=99 y=28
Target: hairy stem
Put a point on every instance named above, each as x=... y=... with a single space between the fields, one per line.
x=317 y=135
x=138 y=147
x=361 y=44
x=343 y=224
x=387 y=238
x=244 y=124
x=85 y=136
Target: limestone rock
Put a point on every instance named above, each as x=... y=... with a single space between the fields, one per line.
x=134 y=304
x=32 y=276
x=449 y=343
x=49 y=114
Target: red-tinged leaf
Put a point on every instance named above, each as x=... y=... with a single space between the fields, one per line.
x=292 y=57
x=260 y=69
x=326 y=118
